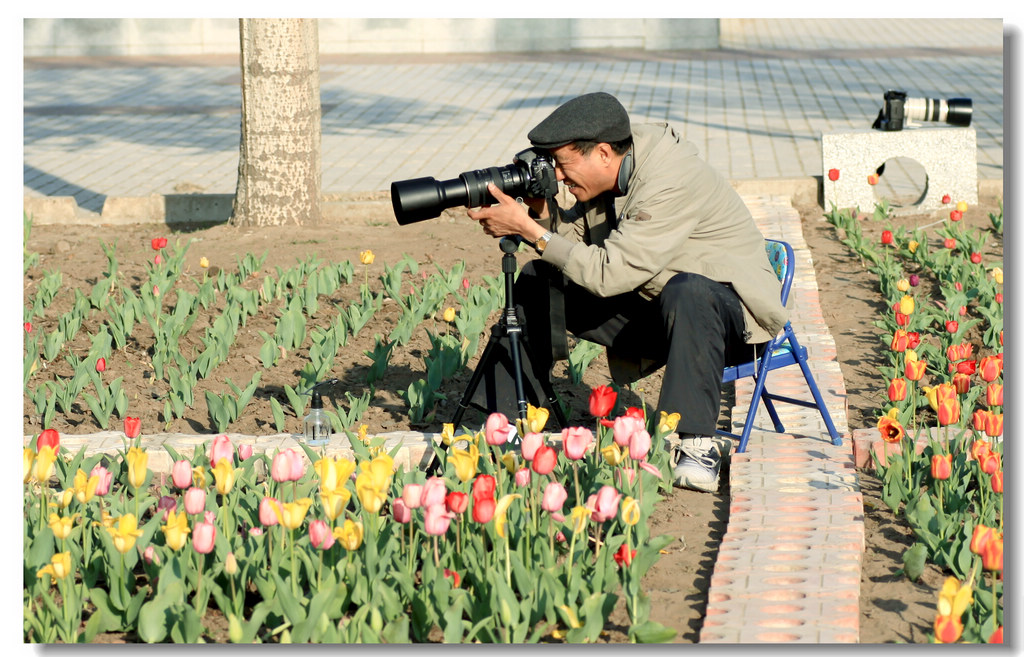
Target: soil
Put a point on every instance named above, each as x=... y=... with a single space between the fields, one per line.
x=893 y=609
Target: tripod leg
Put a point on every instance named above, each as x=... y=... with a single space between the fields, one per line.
x=548 y=389
x=497 y=331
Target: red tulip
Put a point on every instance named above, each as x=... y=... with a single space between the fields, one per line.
x=157 y=260
x=946 y=199
x=897 y=389
x=132 y=427
x=624 y=556
x=320 y=535
x=998 y=298
x=994 y=425
x=158 y=243
x=915 y=369
x=963 y=311
x=465 y=283
x=997 y=636
x=101 y=364
x=602 y=401
x=976 y=258
x=28 y=327
x=990 y=368
x=994 y=394
x=886 y=237
x=942 y=466
x=544 y=460
x=967 y=367
x=456 y=502
x=949 y=243
x=454 y=576
x=483 y=509
x=203 y=536
x=997 y=482
x=833 y=174
x=958 y=286
x=955 y=215
x=873 y=179
x=952 y=326
x=901 y=319
x=48 y=438
x=484 y=486
x=913 y=339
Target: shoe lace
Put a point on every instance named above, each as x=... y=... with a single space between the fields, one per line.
x=704 y=458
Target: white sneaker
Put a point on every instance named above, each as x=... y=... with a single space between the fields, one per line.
x=699 y=463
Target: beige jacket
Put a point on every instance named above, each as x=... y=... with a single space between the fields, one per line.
x=678 y=215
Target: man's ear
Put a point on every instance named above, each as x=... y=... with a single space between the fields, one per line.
x=605 y=153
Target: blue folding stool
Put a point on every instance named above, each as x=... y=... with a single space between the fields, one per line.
x=782 y=351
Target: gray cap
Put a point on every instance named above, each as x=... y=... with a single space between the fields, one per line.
x=596 y=117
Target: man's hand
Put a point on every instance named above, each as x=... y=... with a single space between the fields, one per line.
x=506 y=218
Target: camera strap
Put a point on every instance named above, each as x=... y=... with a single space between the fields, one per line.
x=556 y=298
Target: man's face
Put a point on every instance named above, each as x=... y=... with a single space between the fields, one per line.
x=586 y=176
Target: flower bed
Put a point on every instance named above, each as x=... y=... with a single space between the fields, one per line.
x=941 y=456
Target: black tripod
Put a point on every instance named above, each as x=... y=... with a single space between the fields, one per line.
x=510 y=328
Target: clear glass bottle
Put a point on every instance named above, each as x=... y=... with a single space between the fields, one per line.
x=316 y=425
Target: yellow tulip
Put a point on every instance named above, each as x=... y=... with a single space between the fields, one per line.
x=224 y=476
x=508 y=460
x=176 y=530
x=667 y=422
x=954 y=598
x=449 y=314
x=204 y=262
x=231 y=564
x=349 y=535
x=501 y=512
x=138 y=461
x=465 y=462
x=613 y=454
x=910 y=356
x=366 y=257
x=961 y=206
x=903 y=285
x=291 y=514
x=199 y=476
x=931 y=393
x=907 y=304
x=997 y=274
x=85 y=486
x=912 y=246
x=447 y=433
x=630 y=511
x=335 y=501
x=65 y=498
x=43 y=466
x=579 y=515
x=59 y=568
x=371 y=495
x=536 y=418
x=125 y=532
x=333 y=472
x=62 y=527
x=28 y=457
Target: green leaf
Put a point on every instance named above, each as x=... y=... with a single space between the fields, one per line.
x=652 y=632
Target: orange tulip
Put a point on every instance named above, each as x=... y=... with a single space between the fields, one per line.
x=980 y=538
x=954 y=599
x=899 y=341
x=992 y=553
x=991 y=463
x=942 y=466
x=897 y=390
x=990 y=368
x=980 y=449
x=997 y=482
x=994 y=394
x=947 y=629
x=947 y=406
x=891 y=429
x=962 y=383
x=994 y=425
x=979 y=419
x=915 y=369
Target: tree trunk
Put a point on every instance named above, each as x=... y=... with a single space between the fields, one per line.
x=279 y=175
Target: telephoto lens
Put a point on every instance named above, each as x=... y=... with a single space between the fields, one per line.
x=955 y=111
x=419 y=199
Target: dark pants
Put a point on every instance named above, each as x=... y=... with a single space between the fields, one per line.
x=695 y=327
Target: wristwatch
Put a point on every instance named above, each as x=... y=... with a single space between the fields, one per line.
x=542 y=241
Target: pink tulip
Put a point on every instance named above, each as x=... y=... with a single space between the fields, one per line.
x=320 y=535
x=497 y=429
x=436 y=519
x=221 y=449
x=523 y=477
x=287 y=466
x=531 y=443
x=411 y=495
x=554 y=497
x=401 y=511
x=267 y=516
x=181 y=474
x=210 y=517
x=244 y=451
x=434 y=491
x=650 y=467
x=104 y=475
x=604 y=504
x=575 y=441
x=149 y=555
x=166 y=503
x=203 y=536
x=195 y=500
x=639 y=445
x=624 y=427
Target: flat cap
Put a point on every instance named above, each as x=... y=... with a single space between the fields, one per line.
x=596 y=117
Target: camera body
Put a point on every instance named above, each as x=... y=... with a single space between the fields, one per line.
x=898 y=111
x=531 y=174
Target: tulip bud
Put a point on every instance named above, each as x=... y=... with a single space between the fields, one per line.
x=150 y=556
x=897 y=390
x=914 y=279
x=231 y=564
x=887 y=237
x=942 y=466
x=903 y=285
